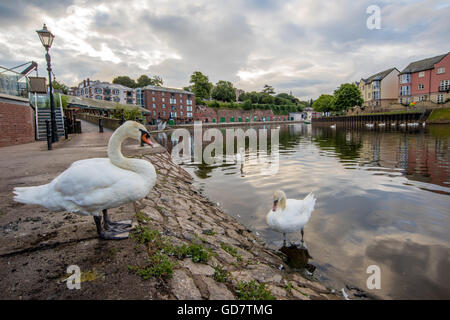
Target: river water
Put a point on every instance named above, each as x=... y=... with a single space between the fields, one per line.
x=383 y=198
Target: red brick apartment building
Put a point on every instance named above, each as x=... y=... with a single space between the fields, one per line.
x=167 y=103
x=425 y=80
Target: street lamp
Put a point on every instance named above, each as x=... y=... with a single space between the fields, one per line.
x=46 y=38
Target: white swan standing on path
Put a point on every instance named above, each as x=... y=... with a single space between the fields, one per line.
x=91 y=186
x=290 y=215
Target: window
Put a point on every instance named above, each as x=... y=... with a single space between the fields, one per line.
x=181 y=107
x=162 y=93
x=164 y=113
x=98 y=90
x=445 y=85
x=421 y=74
x=181 y=95
x=173 y=101
x=154 y=106
x=115 y=91
x=154 y=113
x=440 y=98
x=421 y=86
x=153 y=92
x=405 y=78
x=163 y=99
x=173 y=108
x=164 y=106
x=116 y=99
x=189 y=114
x=189 y=108
x=441 y=70
x=153 y=98
x=98 y=97
x=404 y=90
x=181 y=113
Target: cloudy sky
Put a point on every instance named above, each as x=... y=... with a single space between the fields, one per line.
x=308 y=47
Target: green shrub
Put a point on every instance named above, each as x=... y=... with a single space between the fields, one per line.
x=160 y=267
x=253 y=291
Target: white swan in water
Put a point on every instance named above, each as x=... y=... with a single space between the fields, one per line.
x=333 y=126
x=91 y=186
x=290 y=215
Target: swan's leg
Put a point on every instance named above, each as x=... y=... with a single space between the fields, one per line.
x=110 y=225
x=301 y=231
x=109 y=234
x=284 y=241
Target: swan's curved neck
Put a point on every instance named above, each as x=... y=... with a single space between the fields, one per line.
x=114 y=146
x=282 y=203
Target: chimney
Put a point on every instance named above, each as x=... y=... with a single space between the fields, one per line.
x=84 y=83
x=88 y=82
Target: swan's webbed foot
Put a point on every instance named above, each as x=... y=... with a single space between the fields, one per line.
x=117 y=226
x=114 y=235
x=111 y=234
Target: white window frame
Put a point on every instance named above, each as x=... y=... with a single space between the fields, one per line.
x=421 y=74
x=421 y=86
x=441 y=70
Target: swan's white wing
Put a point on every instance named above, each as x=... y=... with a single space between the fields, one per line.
x=297 y=213
x=94 y=184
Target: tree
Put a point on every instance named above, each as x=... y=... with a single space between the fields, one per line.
x=268 y=89
x=201 y=86
x=145 y=80
x=247 y=105
x=347 y=96
x=224 y=91
x=125 y=81
x=266 y=98
x=324 y=103
x=60 y=86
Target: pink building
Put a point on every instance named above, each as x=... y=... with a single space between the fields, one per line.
x=425 y=80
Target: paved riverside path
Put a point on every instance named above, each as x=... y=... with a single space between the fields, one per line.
x=37 y=246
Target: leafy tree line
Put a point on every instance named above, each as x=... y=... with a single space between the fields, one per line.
x=142 y=81
x=345 y=97
x=224 y=96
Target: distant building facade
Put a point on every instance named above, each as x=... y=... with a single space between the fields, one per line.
x=425 y=80
x=210 y=115
x=167 y=103
x=106 y=91
x=380 y=90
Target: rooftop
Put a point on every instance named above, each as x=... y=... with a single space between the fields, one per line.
x=379 y=76
x=422 y=65
x=165 y=89
x=89 y=103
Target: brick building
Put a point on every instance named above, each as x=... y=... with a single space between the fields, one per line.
x=211 y=115
x=168 y=104
x=17 y=124
x=425 y=80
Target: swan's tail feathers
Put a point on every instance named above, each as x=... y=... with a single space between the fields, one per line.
x=309 y=202
x=30 y=195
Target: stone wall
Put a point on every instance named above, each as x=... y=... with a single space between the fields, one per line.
x=207 y=114
x=17 y=121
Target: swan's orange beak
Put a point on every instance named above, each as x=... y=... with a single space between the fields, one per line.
x=146 y=138
x=275 y=205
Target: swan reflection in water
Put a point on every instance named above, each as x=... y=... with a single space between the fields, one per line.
x=297 y=257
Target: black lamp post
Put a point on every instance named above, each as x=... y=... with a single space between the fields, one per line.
x=46 y=38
